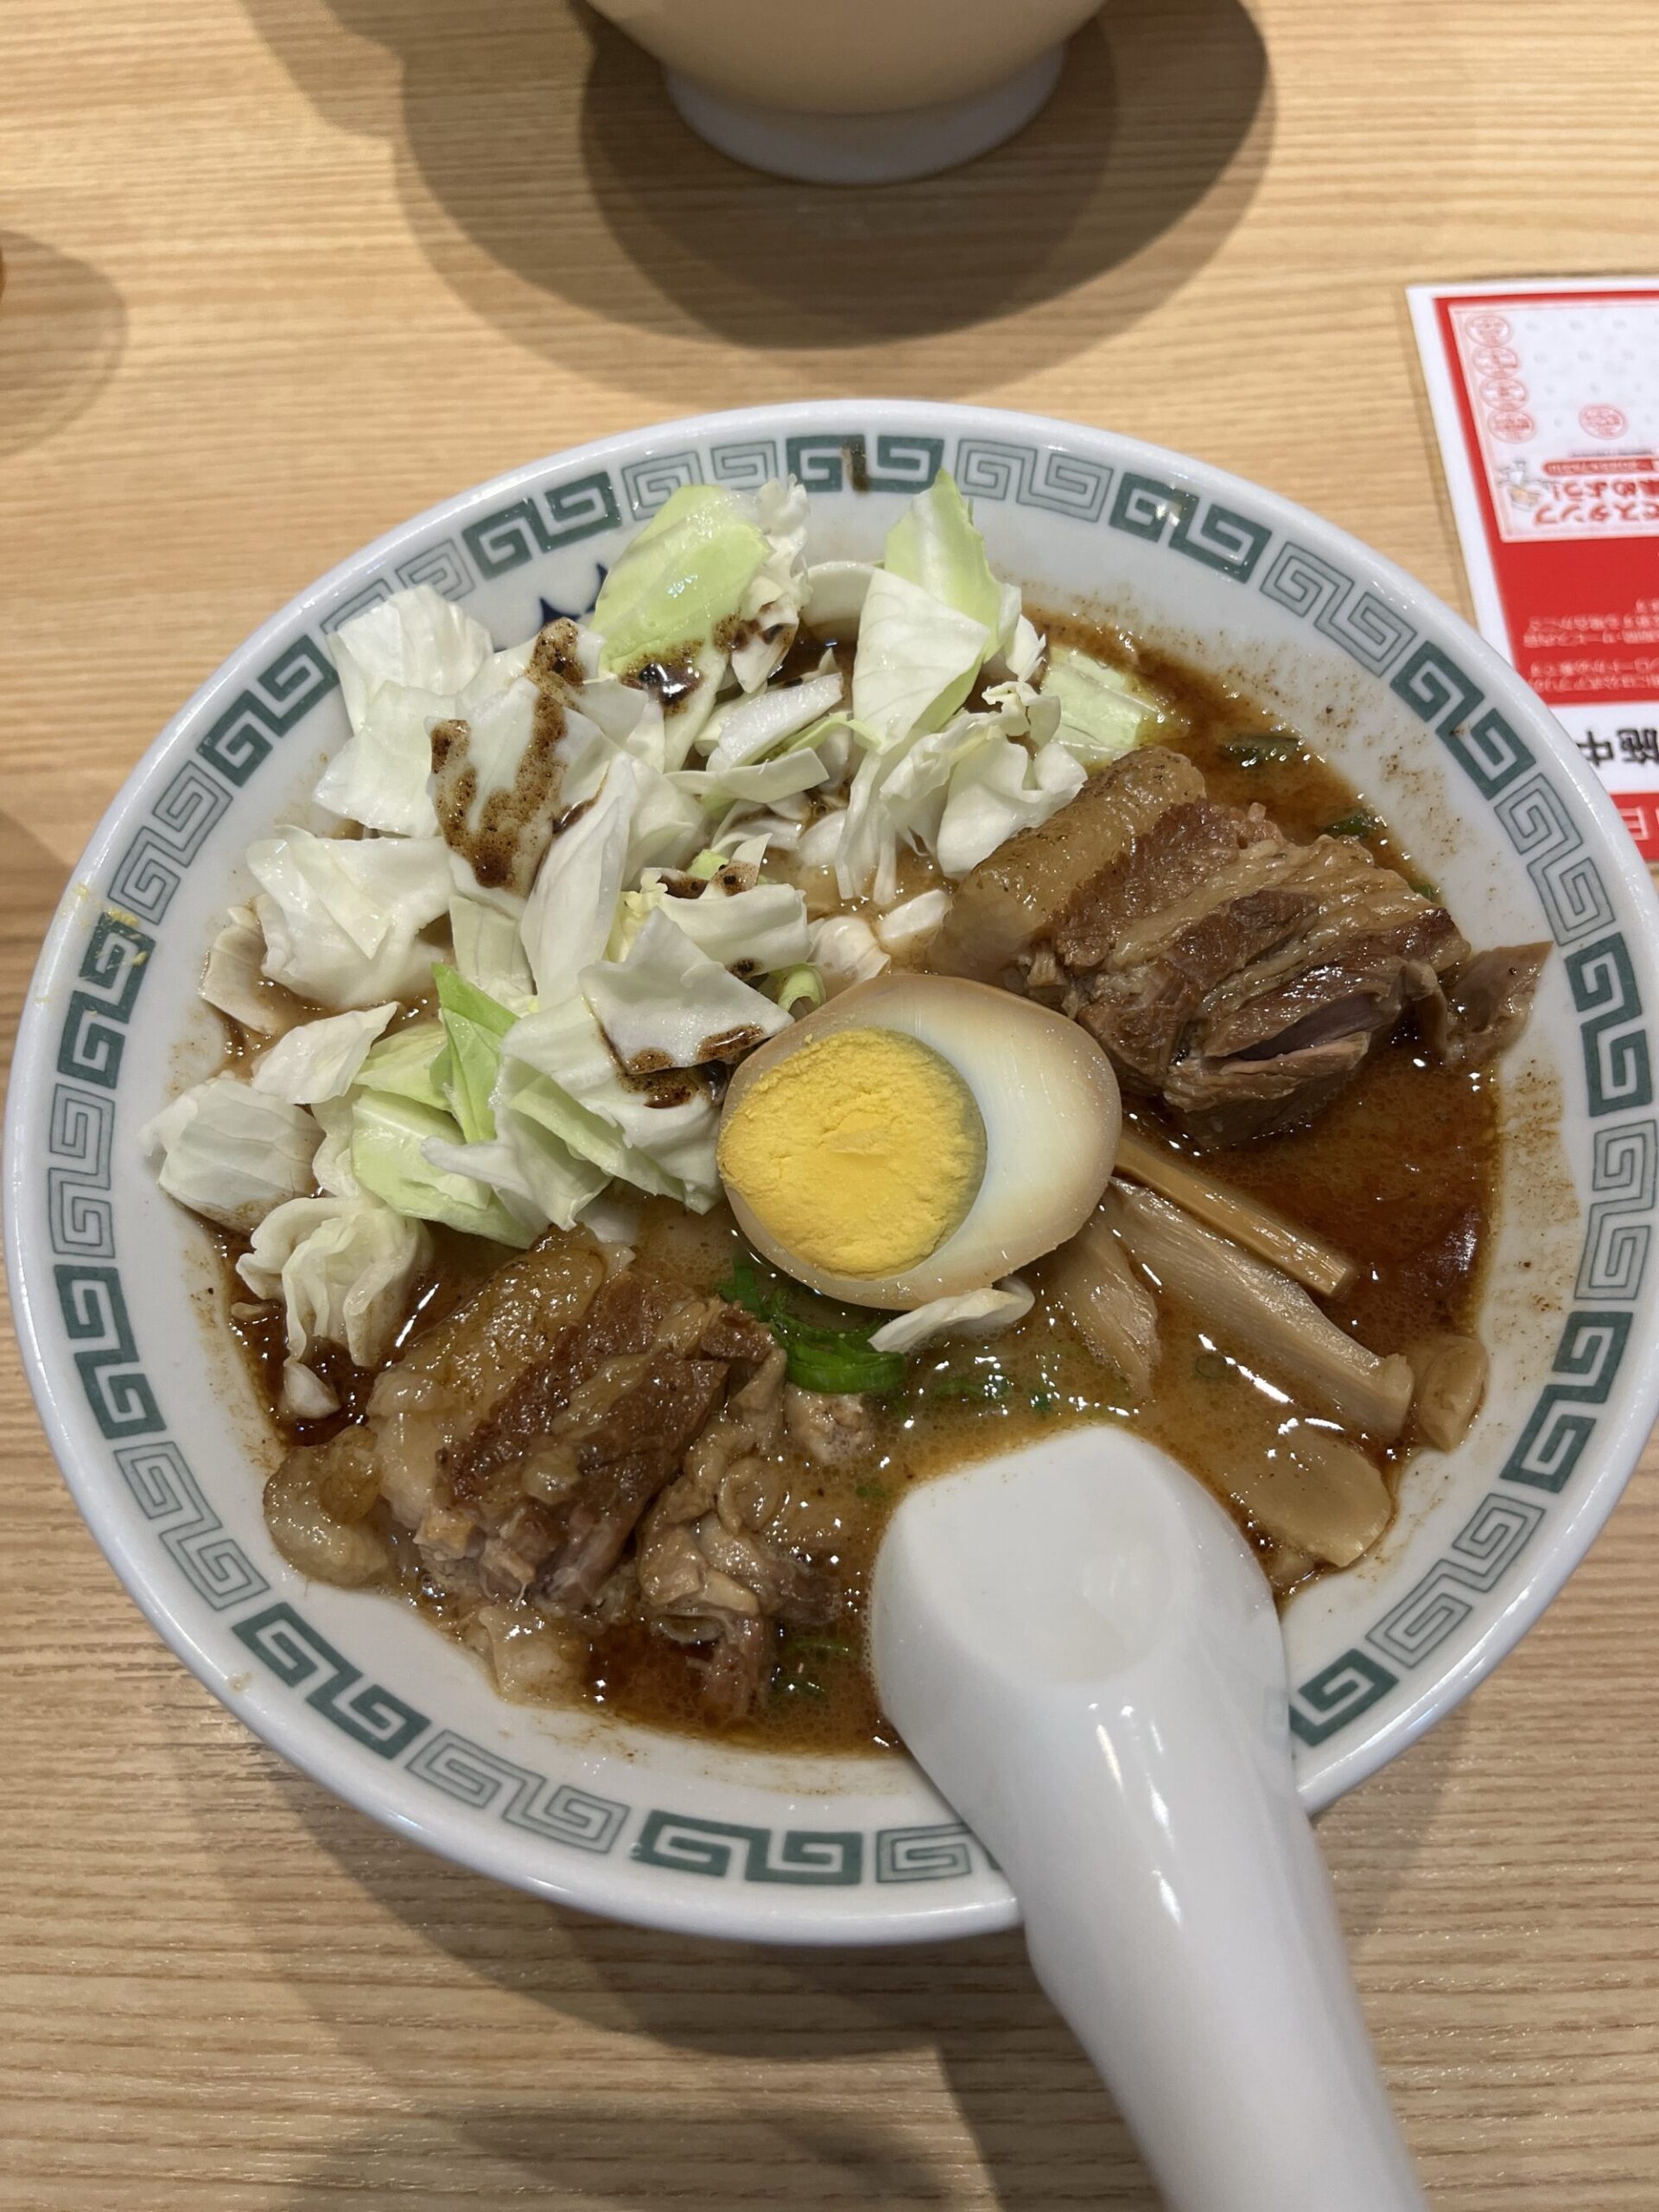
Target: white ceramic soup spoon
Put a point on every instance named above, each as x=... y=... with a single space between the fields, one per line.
x=1078 y=1646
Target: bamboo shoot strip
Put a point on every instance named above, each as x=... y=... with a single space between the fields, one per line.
x=1261 y=1317
x=1312 y=1262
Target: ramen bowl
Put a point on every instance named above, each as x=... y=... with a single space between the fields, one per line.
x=155 y=1425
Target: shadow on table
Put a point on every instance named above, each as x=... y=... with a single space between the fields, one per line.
x=727 y=2153
x=552 y=185
x=63 y=327
x=1043 y=2130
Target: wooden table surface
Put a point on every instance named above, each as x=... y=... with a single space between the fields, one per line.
x=283 y=271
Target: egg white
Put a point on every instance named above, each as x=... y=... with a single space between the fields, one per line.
x=1049 y=1101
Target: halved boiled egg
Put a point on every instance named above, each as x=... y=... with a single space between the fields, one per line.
x=916 y=1138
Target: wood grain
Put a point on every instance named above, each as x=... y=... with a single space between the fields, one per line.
x=282 y=272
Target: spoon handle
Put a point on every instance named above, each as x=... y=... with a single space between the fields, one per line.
x=1107 y=1709
x=1179 y=1916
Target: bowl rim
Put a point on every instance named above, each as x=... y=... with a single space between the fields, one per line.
x=718 y=1909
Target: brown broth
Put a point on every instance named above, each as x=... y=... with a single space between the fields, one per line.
x=1399 y=1172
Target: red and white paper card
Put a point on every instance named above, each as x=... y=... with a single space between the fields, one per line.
x=1546 y=398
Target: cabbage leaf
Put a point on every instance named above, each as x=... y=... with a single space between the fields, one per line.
x=343 y=1267
x=331 y=1166
x=936 y=545
x=629 y=1130
x=534 y=1172
x=845 y=952
x=668 y=1005
x=235 y=981
x=488 y=949
x=409 y=1064
x=1103 y=712
x=321 y=1059
x=679 y=579
x=761 y=782
x=474 y=1024
x=231 y=1152
x=916 y=661
x=771 y=612
x=997 y=790
x=573 y=903
x=974 y=1313
x=343 y=917
x=749 y=729
x=388 y=1134
x=757 y=930
x=417 y=639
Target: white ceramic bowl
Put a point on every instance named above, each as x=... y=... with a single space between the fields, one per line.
x=154 y=1429
x=868 y=92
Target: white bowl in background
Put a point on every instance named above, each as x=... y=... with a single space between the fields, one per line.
x=867 y=91
x=154 y=1426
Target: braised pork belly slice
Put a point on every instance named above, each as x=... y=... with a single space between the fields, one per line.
x=1238 y=976
x=529 y=1439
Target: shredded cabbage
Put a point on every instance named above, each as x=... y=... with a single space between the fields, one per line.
x=581 y=957
x=898 y=795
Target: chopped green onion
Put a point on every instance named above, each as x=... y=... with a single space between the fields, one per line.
x=707 y=865
x=983 y=1387
x=795 y=1681
x=1356 y=824
x=838 y=1360
x=821 y=1647
x=848 y=1366
x=798 y=986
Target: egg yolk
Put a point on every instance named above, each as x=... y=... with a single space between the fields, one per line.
x=859 y=1152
